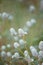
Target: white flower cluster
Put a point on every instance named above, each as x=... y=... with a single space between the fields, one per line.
x=14 y=50
x=5 y=16
x=34 y=53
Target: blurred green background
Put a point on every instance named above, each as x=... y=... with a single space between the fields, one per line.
x=21 y=15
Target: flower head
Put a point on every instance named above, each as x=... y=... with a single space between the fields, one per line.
x=12 y=31
x=21 y=32
x=33 y=51
x=8 y=54
x=16 y=45
x=3 y=47
x=41 y=45
x=16 y=55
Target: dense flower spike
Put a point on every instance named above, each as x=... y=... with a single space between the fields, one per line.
x=41 y=54
x=21 y=32
x=22 y=42
x=41 y=45
x=12 y=31
x=25 y=53
x=33 y=51
x=16 y=45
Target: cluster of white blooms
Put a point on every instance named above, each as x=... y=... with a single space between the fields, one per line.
x=5 y=16
x=13 y=50
x=34 y=53
x=31 y=22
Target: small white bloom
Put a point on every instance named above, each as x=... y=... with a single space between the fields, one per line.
x=9 y=54
x=16 y=45
x=8 y=45
x=33 y=21
x=28 y=24
x=32 y=8
x=3 y=53
x=10 y=17
x=12 y=31
x=22 y=42
x=16 y=55
x=26 y=29
x=33 y=51
x=4 y=15
x=25 y=53
x=41 y=54
x=21 y=32
x=3 y=47
x=41 y=45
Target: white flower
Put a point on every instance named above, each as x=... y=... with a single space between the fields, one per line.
x=9 y=54
x=10 y=17
x=32 y=8
x=33 y=51
x=8 y=45
x=3 y=53
x=3 y=47
x=27 y=57
x=28 y=24
x=22 y=42
x=25 y=53
x=21 y=32
x=12 y=31
x=5 y=15
x=41 y=45
x=16 y=45
x=41 y=54
x=16 y=55
x=33 y=21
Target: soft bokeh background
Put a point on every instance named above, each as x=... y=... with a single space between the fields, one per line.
x=20 y=11
x=21 y=14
